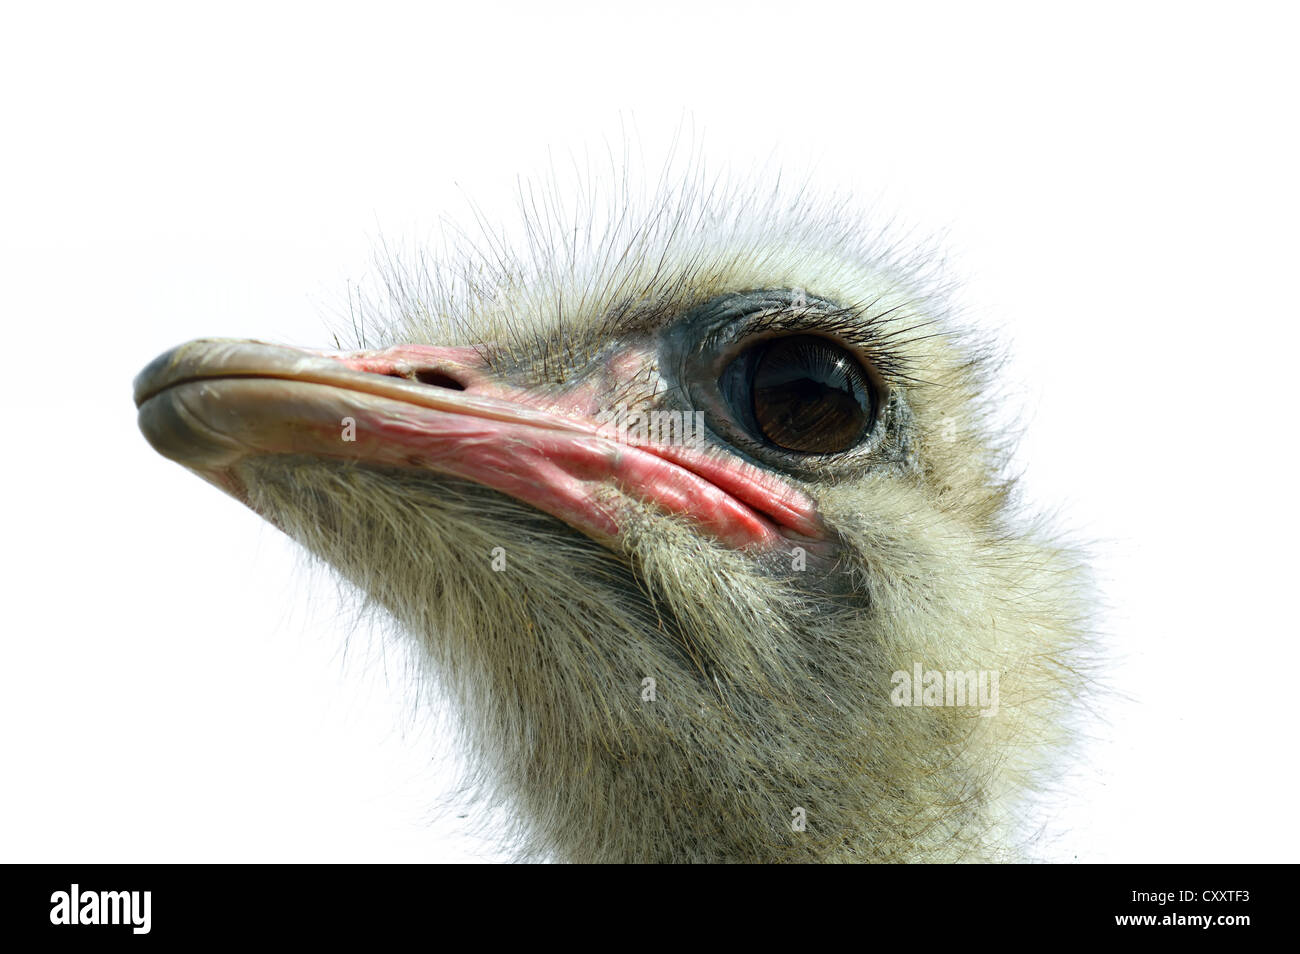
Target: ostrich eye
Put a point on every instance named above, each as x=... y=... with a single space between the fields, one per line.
x=801 y=393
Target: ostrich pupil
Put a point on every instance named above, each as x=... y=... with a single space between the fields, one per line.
x=810 y=396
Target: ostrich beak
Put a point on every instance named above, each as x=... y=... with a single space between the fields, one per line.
x=213 y=403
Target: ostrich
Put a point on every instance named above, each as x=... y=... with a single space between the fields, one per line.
x=696 y=513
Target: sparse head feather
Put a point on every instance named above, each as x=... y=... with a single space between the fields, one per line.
x=774 y=683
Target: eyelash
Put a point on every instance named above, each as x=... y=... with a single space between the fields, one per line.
x=848 y=327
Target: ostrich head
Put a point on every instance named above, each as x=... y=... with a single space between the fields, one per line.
x=696 y=516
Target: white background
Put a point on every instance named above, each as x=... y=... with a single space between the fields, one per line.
x=1118 y=188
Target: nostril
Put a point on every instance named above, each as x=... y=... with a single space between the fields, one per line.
x=438 y=380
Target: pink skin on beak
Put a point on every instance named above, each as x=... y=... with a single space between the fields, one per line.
x=209 y=404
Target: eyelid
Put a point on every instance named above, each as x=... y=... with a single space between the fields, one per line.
x=877 y=332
